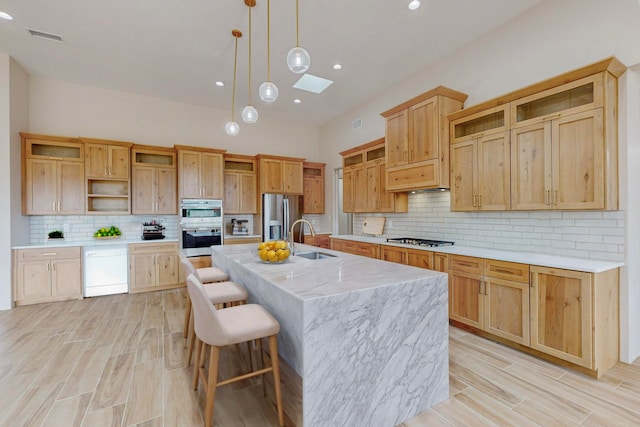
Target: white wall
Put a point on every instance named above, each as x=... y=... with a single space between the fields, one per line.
x=552 y=38
x=14 y=108
x=61 y=108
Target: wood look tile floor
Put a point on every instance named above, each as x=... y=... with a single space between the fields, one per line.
x=120 y=360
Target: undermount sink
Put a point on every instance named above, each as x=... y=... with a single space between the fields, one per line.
x=314 y=255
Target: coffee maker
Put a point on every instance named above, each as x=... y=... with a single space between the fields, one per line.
x=239 y=226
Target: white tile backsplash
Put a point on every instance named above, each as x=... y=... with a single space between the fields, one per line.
x=80 y=228
x=583 y=234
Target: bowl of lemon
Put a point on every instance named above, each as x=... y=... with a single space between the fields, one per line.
x=273 y=252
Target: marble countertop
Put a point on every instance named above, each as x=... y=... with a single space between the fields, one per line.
x=307 y=279
x=242 y=236
x=94 y=242
x=544 y=260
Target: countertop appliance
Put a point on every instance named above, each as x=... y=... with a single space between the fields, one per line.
x=420 y=242
x=105 y=270
x=279 y=211
x=239 y=227
x=152 y=231
x=201 y=223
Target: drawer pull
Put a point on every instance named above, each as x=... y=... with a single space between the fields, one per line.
x=50 y=253
x=497 y=270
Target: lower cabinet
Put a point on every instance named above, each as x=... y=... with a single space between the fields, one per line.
x=371 y=250
x=575 y=315
x=47 y=274
x=413 y=257
x=490 y=295
x=319 y=240
x=153 y=266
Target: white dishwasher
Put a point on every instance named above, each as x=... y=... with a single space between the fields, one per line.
x=105 y=270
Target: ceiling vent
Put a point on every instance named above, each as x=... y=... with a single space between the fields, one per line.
x=356 y=124
x=45 y=36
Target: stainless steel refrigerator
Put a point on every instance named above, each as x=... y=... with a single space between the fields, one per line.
x=279 y=211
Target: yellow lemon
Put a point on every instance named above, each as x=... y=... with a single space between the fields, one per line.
x=282 y=254
x=273 y=257
x=262 y=245
x=286 y=253
x=263 y=254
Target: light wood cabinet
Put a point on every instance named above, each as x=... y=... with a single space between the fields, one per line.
x=574 y=316
x=417 y=140
x=153 y=266
x=200 y=173
x=47 y=275
x=414 y=257
x=52 y=175
x=371 y=250
x=280 y=174
x=240 y=185
x=480 y=162
x=319 y=240
x=364 y=185
x=564 y=144
x=313 y=182
x=107 y=170
x=490 y=295
x=154 y=179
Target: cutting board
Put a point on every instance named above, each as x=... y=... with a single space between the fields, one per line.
x=373 y=225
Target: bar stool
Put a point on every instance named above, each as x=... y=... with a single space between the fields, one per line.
x=220 y=328
x=206 y=275
x=219 y=293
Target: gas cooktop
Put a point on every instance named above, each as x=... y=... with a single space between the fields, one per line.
x=419 y=242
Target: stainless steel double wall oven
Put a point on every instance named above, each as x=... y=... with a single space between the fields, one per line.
x=201 y=222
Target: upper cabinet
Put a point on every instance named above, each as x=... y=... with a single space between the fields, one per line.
x=417 y=140
x=562 y=144
x=364 y=184
x=240 y=184
x=280 y=174
x=52 y=175
x=107 y=174
x=480 y=161
x=313 y=183
x=153 y=176
x=200 y=173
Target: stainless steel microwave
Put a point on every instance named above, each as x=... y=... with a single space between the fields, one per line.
x=201 y=208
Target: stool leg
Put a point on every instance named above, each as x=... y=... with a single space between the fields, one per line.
x=196 y=364
x=192 y=338
x=187 y=316
x=273 y=349
x=261 y=353
x=212 y=384
x=249 y=344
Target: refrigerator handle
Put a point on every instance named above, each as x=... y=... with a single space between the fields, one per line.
x=285 y=218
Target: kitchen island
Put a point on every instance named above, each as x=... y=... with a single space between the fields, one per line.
x=369 y=338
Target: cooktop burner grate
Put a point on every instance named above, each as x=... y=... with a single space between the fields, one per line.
x=419 y=242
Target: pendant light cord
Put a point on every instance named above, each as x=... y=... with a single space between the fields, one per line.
x=268 y=40
x=297 y=28
x=233 y=95
x=250 y=54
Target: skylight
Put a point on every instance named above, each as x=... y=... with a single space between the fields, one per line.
x=312 y=83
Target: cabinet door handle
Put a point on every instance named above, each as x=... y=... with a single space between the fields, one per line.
x=474 y=201
x=531 y=279
x=555 y=196
x=481 y=290
x=479 y=200
x=53 y=206
x=547 y=197
x=486 y=290
x=48 y=266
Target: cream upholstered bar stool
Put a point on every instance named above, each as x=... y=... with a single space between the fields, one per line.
x=220 y=328
x=219 y=293
x=206 y=275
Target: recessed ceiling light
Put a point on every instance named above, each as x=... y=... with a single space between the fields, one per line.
x=5 y=15
x=414 y=4
x=220 y=84
x=337 y=67
x=312 y=83
x=297 y=101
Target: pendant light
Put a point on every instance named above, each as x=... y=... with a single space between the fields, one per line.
x=268 y=90
x=249 y=113
x=232 y=128
x=298 y=58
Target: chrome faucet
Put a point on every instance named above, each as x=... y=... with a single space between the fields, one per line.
x=313 y=232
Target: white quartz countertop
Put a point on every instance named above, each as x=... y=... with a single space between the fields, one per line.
x=544 y=260
x=95 y=242
x=308 y=279
x=241 y=236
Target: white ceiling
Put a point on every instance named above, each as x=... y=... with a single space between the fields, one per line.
x=178 y=49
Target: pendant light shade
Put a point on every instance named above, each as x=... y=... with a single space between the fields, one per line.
x=232 y=128
x=268 y=90
x=298 y=59
x=249 y=113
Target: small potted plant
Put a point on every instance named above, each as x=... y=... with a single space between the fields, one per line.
x=56 y=234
